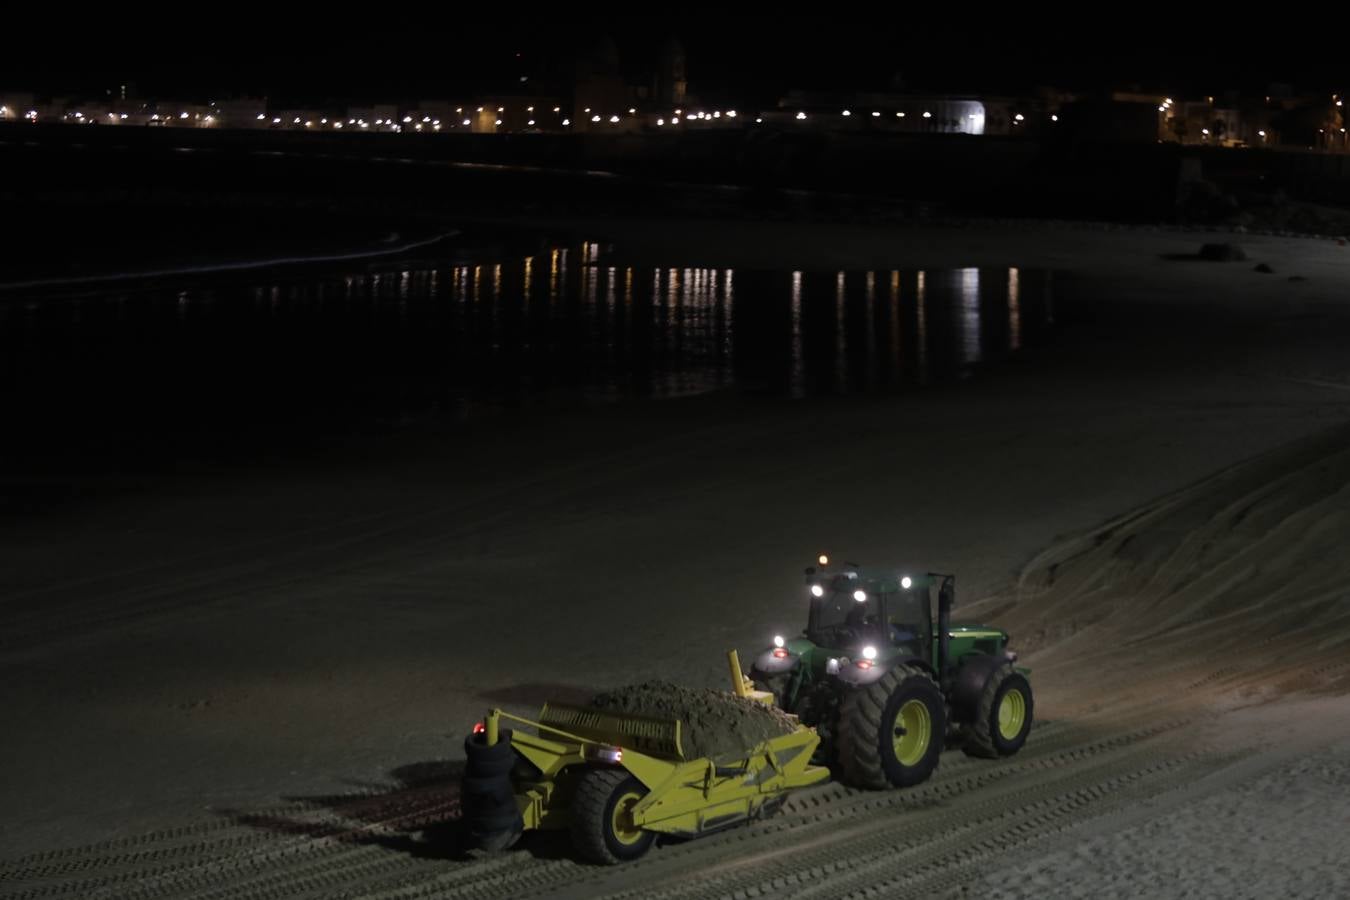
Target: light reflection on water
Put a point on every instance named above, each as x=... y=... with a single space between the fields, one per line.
x=513 y=331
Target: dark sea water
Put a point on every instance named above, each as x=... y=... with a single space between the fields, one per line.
x=134 y=367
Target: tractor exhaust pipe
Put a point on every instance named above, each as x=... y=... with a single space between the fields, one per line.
x=946 y=596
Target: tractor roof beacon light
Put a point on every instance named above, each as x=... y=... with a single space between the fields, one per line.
x=823 y=559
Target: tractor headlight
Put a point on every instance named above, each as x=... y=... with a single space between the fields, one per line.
x=823 y=559
x=860 y=596
x=778 y=640
x=817 y=591
x=869 y=652
x=906 y=582
x=832 y=667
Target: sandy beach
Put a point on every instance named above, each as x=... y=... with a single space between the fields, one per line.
x=229 y=681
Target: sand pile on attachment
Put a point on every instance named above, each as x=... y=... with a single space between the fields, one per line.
x=715 y=723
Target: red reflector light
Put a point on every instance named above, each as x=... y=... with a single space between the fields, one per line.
x=479 y=728
x=864 y=664
x=780 y=653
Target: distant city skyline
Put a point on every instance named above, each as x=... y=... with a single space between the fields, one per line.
x=736 y=58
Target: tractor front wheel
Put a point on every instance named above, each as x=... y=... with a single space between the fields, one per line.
x=602 y=817
x=1002 y=717
x=891 y=733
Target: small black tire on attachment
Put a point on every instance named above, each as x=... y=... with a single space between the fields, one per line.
x=1002 y=717
x=487 y=796
x=483 y=760
x=602 y=828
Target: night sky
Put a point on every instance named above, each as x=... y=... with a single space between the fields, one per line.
x=746 y=58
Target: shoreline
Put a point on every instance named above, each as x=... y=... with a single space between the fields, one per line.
x=222 y=266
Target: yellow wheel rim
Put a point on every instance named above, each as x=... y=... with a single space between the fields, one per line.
x=913 y=732
x=621 y=819
x=1012 y=714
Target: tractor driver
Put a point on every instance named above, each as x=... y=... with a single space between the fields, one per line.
x=861 y=617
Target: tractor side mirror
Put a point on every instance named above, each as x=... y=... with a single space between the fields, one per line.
x=810 y=570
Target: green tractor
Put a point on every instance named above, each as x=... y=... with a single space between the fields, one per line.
x=883 y=687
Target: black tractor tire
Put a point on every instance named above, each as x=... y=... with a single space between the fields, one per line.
x=487 y=796
x=1001 y=724
x=869 y=723
x=483 y=760
x=594 y=831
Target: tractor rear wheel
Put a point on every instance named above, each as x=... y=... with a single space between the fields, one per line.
x=1002 y=717
x=891 y=733
x=602 y=817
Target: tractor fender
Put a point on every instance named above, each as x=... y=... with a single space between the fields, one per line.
x=967 y=684
x=768 y=664
x=851 y=674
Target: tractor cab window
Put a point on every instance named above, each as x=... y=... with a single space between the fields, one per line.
x=837 y=617
x=909 y=613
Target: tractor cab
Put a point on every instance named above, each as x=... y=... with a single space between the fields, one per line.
x=853 y=607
